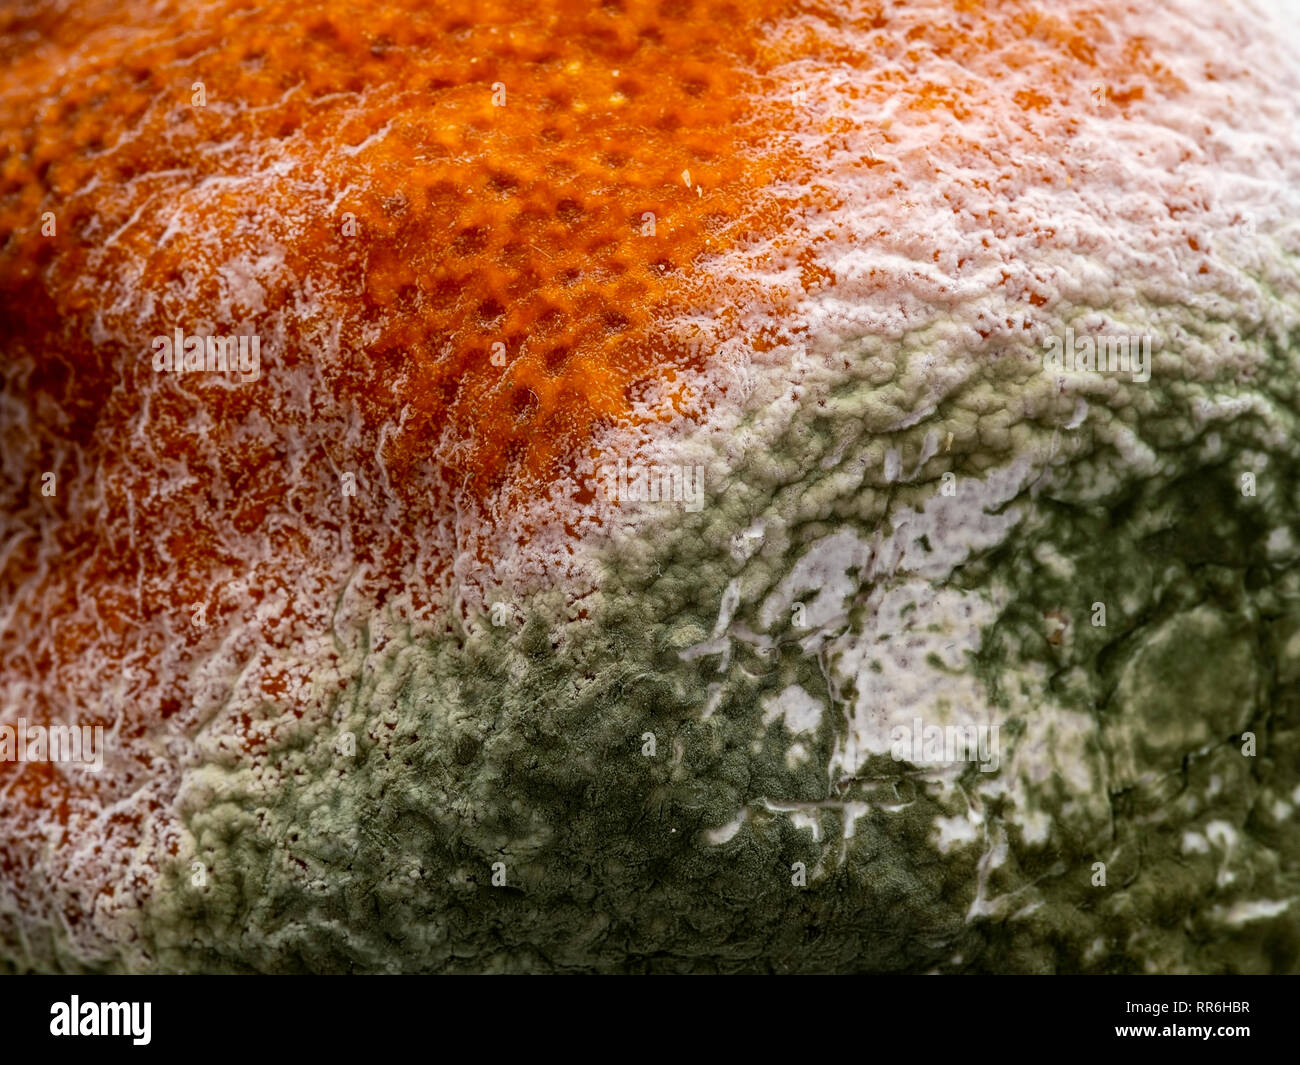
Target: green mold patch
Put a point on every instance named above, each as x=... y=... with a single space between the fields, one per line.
x=693 y=773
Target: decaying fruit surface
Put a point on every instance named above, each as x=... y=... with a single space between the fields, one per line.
x=398 y=669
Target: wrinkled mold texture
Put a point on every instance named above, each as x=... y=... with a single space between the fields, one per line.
x=396 y=670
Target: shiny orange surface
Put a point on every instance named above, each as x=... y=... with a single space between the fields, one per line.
x=447 y=178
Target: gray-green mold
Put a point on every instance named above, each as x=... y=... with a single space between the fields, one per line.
x=826 y=591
